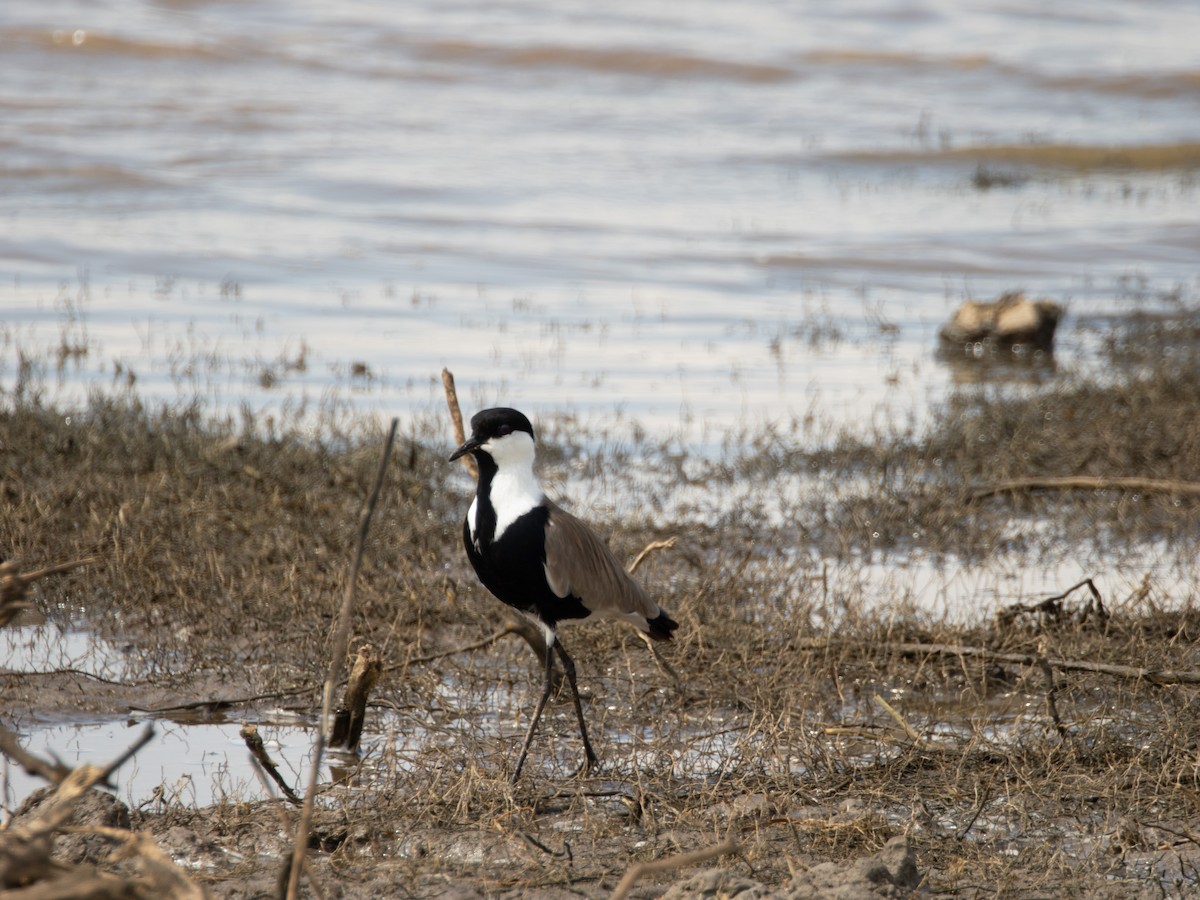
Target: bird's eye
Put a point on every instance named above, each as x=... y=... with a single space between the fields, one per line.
x=503 y=430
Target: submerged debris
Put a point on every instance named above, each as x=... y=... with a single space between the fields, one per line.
x=1010 y=321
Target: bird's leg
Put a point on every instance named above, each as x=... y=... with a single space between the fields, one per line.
x=547 y=689
x=569 y=668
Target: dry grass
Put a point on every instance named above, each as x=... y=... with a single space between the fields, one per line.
x=924 y=489
x=222 y=556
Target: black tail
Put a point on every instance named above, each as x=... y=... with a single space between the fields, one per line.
x=661 y=626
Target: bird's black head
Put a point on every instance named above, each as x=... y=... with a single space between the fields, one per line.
x=490 y=425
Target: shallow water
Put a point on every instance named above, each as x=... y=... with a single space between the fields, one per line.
x=46 y=646
x=699 y=216
x=195 y=762
x=184 y=765
x=694 y=214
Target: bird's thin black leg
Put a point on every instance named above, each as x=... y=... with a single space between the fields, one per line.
x=547 y=689
x=569 y=668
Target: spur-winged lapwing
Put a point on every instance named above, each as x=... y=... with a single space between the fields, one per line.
x=540 y=559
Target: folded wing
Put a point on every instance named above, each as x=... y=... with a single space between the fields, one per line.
x=579 y=563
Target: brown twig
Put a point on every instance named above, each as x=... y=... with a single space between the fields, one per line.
x=11 y=747
x=647 y=550
x=341 y=637
x=286 y=824
x=654 y=651
x=1051 y=691
x=662 y=661
x=225 y=702
x=254 y=742
x=460 y=433
x=565 y=852
x=913 y=734
x=1136 y=673
x=81 y=673
x=979 y=807
x=670 y=864
x=143 y=739
x=1087 y=483
x=468 y=648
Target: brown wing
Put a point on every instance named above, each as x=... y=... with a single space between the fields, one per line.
x=579 y=563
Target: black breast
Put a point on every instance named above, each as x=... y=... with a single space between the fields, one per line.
x=514 y=568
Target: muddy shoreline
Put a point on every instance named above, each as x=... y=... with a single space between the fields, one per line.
x=1040 y=752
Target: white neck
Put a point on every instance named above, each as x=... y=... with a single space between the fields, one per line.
x=515 y=489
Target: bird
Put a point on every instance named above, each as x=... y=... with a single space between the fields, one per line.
x=542 y=561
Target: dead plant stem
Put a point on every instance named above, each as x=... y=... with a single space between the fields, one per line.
x=341 y=637
x=456 y=419
x=647 y=550
x=285 y=823
x=913 y=734
x=1134 y=673
x=1086 y=483
x=262 y=759
x=468 y=648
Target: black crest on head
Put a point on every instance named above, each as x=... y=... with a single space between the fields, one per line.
x=502 y=420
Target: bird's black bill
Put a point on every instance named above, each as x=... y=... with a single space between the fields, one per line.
x=467 y=447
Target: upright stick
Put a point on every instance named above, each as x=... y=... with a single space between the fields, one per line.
x=341 y=636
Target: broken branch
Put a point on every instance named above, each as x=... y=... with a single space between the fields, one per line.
x=1087 y=483
x=254 y=743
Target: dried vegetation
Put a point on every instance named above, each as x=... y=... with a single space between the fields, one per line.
x=1050 y=752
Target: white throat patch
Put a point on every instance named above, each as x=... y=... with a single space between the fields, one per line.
x=515 y=489
x=511 y=451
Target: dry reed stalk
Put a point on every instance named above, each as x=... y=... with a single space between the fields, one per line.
x=661 y=660
x=287 y=826
x=913 y=734
x=1051 y=690
x=647 y=550
x=456 y=418
x=341 y=637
